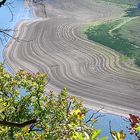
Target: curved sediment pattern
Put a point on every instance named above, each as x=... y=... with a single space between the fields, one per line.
x=89 y=70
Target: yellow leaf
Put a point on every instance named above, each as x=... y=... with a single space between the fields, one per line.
x=25 y=129
x=121 y=135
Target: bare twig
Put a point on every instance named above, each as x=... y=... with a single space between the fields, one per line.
x=4 y=32
x=94 y=114
x=110 y=128
x=115 y=137
x=5 y=35
x=8 y=6
x=10 y=3
x=68 y=108
x=99 y=116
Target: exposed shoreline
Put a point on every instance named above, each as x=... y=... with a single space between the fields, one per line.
x=33 y=58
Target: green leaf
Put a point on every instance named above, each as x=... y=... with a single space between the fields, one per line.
x=104 y=138
x=137 y=128
x=95 y=134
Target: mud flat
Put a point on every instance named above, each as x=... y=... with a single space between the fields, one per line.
x=89 y=70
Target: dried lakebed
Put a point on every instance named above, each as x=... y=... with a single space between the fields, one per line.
x=89 y=70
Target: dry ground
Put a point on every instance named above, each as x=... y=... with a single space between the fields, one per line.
x=89 y=70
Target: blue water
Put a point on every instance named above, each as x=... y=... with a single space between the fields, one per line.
x=117 y=123
x=20 y=13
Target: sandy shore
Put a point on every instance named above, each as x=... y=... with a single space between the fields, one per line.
x=54 y=44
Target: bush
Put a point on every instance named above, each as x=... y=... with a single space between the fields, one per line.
x=41 y=116
x=38 y=115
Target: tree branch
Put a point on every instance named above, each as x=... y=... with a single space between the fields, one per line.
x=68 y=108
x=94 y=114
x=8 y=6
x=5 y=34
x=20 y=125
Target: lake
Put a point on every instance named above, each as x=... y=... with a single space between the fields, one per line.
x=20 y=12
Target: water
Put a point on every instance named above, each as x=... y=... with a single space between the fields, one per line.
x=117 y=123
x=21 y=12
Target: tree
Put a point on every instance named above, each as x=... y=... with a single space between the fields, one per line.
x=38 y=115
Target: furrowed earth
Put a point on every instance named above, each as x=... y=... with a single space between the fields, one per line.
x=53 y=43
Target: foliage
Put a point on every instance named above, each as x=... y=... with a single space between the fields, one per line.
x=135 y=125
x=38 y=115
x=100 y=33
x=118 y=135
x=130 y=31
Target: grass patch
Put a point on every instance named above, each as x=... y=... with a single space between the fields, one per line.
x=124 y=58
x=101 y=35
x=130 y=31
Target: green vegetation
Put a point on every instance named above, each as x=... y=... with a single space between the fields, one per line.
x=130 y=31
x=106 y=34
x=41 y=116
x=122 y=36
